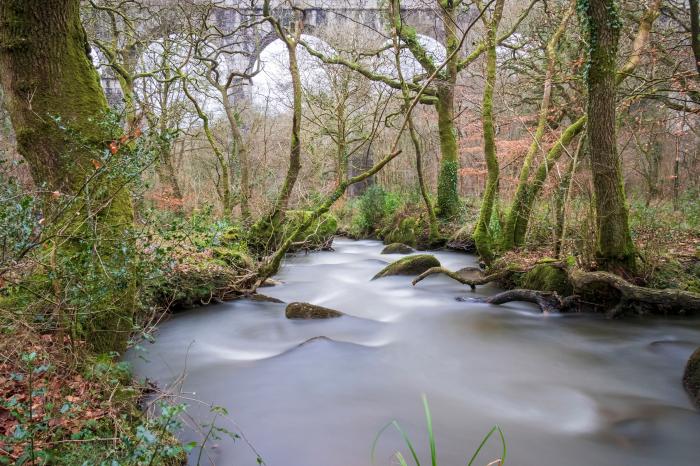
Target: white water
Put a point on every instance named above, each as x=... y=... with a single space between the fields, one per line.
x=566 y=390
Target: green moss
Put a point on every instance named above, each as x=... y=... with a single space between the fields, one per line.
x=691 y=377
x=545 y=277
x=266 y=235
x=411 y=265
x=447 y=195
x=672 y=274
x=397 y=248
x=310 y=311
x=235 y=255
x=405 y=233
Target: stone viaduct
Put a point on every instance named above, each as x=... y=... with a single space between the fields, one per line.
x=333 y=21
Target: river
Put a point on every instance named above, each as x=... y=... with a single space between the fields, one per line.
x=566 y=390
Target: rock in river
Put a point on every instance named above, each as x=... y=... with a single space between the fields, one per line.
x=397 y=248
x=691 y=378
x=411 y=265
x=310 y=311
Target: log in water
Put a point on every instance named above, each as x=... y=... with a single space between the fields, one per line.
x=566 y=390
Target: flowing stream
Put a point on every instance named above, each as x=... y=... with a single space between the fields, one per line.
x=566 y=390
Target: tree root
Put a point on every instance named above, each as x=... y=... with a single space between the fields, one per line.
x=547 y=302
x=599 y=289
x=644 y=300
x=469 y=276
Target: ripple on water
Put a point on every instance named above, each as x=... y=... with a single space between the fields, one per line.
x=574 y=391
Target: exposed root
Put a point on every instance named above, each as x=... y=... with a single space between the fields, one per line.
x=603 y=290
x=467 y=276
x=644 y=300
x=547 y=302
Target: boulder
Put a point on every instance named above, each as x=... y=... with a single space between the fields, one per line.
x=262 y=298
x=691 y=378
x=411 y=265
x=397 y=248
x=310 y=311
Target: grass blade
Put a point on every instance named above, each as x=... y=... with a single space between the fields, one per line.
x=486 y=439
x=401 y=459
x=404 y=436
x=431 y=436
x=376 y=440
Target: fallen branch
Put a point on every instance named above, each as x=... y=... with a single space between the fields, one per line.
x=471 y=276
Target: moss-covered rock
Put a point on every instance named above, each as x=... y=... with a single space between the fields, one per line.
x=262 y=298
x=406 y=232
x=397 y=248
x=546 y=277
x=691 y=377
x=310 y=311
x=411 y=265
x=463 y=241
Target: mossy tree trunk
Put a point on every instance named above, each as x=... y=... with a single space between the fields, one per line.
x=482 y=234
x=528 y=192
x=47 y=72
x=291 y=40
x=240 y=150
x=517 y=219
x=434 y=233
x=602 y=22
x=447 y=188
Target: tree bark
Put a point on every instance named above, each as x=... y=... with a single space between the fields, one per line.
x=241 y=151
x=291 y=40
x=447 y=193
x=695 y=32
x=47 y=72
x=615 y=248
x=516 y=222
x=519 y=217
x=482 y=235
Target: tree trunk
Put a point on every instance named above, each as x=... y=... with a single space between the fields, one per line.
x=516 y=222
x=562 y=200
x=516 y=225
x=482 y=235
x=695 y=32
x=295 y=144
x=615 y=248
x=241 y=151
x=47 y=72
x=224 y=186
x=447 y=193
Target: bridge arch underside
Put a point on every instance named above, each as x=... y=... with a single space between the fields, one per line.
x=349 y=28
